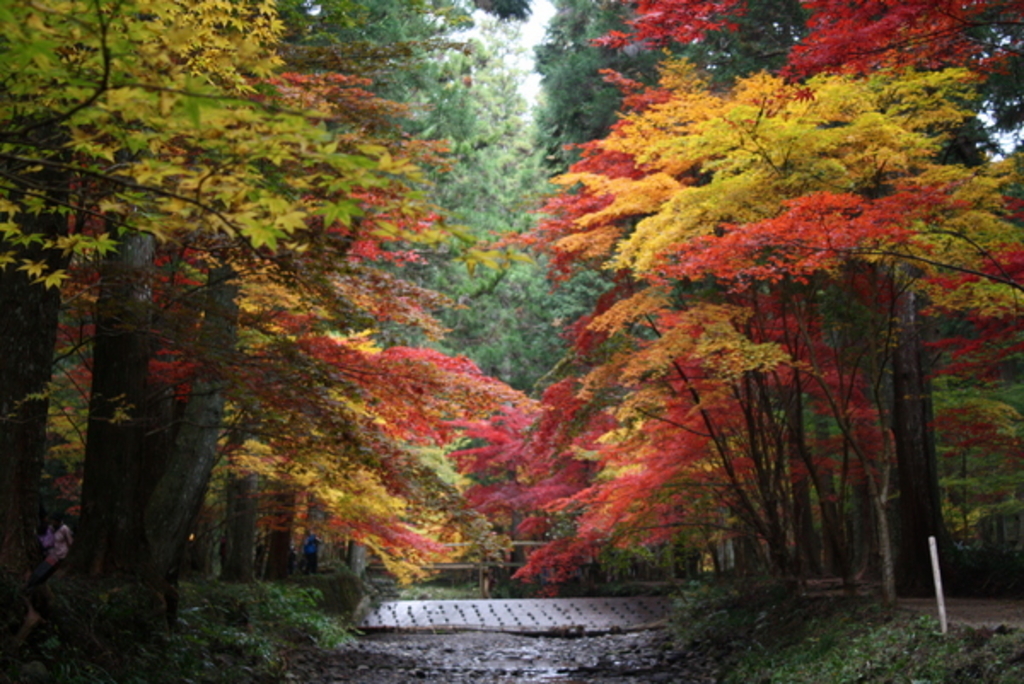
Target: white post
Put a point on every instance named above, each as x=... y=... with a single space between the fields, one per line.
x=938 y=583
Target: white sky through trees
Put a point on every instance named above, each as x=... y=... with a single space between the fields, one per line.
x=533 y=34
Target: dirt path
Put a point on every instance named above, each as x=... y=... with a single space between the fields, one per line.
x=977 y=613
x=493 y=658
x=970 y=612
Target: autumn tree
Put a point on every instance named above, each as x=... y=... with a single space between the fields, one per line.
x=696 y=190
x=71 y=71
x=589 y=224
x=137 y=513
x=193 y=174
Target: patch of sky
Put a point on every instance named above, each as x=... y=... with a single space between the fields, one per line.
x=531 y=33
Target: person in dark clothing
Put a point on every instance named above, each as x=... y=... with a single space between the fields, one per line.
x=310 y=550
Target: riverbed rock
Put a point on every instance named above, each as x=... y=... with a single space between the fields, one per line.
x=647 y=657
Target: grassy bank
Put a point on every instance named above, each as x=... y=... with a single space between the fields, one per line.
x=762 y=634
x=115 y=632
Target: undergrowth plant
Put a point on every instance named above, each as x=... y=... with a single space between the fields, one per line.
x=114 y=634
x=768 y=634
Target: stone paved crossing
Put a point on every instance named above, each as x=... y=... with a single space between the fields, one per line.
x=524 y=616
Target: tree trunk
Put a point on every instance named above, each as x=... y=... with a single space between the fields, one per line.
x=808 y=544
x=280 y=537
x=111 y=533
x=885 y=548
x=836 y=554
x=356 y=558
x=278 y=549
x=919 y=503
x=175 y=502
x=240 y=528
x=878 y=491
x=27 y=339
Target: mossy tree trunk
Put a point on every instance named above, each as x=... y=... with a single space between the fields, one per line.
x=174 y=504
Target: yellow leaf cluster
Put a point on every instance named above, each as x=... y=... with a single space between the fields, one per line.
x=719 y=159
x=631 y=198
x=649 y=302
x=154 y=98
x=593 y=244
x=221 y=40
x=730 y=354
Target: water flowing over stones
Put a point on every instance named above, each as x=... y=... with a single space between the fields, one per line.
x=644 y=657
x=562 y=617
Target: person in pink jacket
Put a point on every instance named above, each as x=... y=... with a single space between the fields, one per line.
x=62 y=540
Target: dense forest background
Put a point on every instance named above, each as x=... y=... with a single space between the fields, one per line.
x=739 y=294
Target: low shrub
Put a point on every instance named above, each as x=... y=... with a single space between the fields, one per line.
x=109 y=632
x=765 y=633
x=984 y=571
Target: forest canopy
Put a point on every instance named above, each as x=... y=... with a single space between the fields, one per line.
x=810 y=322
x=740 y=293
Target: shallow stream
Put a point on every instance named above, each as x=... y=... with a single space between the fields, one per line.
x=645 y=657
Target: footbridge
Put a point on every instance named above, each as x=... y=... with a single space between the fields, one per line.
x=564 y=616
